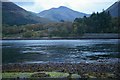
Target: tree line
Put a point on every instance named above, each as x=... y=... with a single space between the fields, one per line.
x=96 y=23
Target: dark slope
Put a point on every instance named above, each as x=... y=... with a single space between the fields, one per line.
x=15 y=15
x=114 y=9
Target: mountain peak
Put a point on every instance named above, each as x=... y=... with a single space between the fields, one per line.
x=62 y=7
x=61 y=13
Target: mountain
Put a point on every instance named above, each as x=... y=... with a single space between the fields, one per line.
x=61 y=13
x=15 y=15
x=114 y=9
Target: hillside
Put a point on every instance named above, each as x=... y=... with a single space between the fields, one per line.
x=61 y=13
x=15 y=15
x=114 y=9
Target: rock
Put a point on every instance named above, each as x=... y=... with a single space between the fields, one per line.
x=40 y=75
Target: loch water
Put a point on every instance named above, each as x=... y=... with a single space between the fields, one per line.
x=60 y=51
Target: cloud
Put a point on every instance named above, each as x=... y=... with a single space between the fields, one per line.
x=86 y=6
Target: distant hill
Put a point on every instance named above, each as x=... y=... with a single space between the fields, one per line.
x=114 y=9
x=61 y=13
x=15 y=15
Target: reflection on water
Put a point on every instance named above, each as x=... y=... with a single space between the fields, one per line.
x=71 y=51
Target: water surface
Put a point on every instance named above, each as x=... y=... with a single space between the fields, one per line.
x=70 y=51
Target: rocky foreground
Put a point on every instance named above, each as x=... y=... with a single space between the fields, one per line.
x=85 y=70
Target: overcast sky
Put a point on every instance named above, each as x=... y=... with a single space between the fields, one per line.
x=86 y=6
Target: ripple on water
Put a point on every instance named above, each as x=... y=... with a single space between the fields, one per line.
x=30 y=52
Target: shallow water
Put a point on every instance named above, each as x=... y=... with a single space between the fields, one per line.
x=60 y=51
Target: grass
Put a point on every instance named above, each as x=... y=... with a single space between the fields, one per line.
x=99 y=75
x=16 y=74
x=57 y=74
x=28 y=74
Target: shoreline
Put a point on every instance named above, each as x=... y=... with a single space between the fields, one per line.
x=80 y=68
x=107 y=67
x=56 y=38
x=84 y=36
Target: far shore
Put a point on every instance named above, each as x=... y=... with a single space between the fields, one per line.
x=85 y=36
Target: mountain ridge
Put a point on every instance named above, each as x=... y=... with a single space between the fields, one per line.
x=15 y=15
x=61 y=13
x=114 y=9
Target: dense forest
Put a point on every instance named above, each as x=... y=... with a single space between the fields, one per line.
x=96 y=23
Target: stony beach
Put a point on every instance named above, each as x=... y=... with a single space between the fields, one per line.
x=85 y=70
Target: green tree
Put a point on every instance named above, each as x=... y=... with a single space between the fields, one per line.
x=28 y=34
